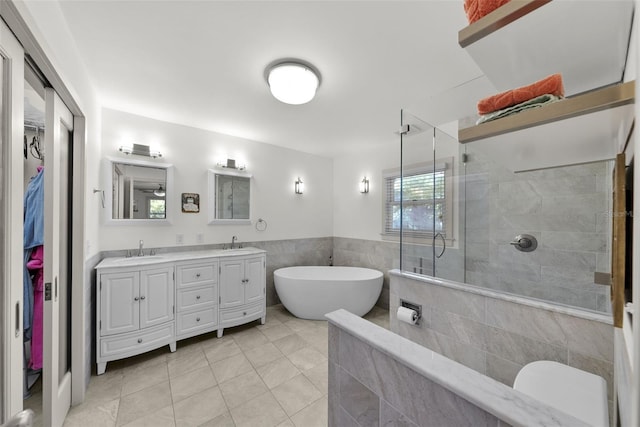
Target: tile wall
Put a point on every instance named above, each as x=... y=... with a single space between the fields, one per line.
x=497 y=336
x=377 y=378
x=565 y=208
x=368 y=387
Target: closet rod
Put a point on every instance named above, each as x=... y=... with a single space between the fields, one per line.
x=34 y=127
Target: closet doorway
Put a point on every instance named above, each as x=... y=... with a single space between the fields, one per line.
x=48 y=237
x=65 y=344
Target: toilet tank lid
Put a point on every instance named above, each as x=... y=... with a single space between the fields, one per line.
x=574 y=391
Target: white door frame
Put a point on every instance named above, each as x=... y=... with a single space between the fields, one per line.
x=12 y=179
x=56 y=385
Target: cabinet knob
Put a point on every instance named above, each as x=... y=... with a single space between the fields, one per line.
x=244 y=313
x=197 y=274
x=139 y=340
x=136 y=298
x=197 y=296
x=142 y=297
x=197 y=319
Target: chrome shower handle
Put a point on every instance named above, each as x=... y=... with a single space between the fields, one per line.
x=444 y=244
x=524 y=242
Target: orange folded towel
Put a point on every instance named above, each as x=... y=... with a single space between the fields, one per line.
x=549 y=85
x=476 y=9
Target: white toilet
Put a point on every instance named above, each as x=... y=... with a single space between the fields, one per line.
x=578 y=393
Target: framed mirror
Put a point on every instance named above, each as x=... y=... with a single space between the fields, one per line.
x=229 y=197
x=138 y=192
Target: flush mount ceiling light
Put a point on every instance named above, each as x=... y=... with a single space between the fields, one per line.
x=160 y=192
x=293 y=82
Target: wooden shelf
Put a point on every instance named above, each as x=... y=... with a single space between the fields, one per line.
x=497 y=19
x=545 y=137
x=526 y=40
x=591 y=102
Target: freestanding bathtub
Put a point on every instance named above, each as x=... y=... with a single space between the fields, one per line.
x=311 y=292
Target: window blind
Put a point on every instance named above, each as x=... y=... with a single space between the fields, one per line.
x=424 y=205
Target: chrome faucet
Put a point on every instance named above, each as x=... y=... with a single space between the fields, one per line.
x=140 y=252
x=233 y=240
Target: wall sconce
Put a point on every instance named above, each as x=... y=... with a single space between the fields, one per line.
x=140 y=150
x=364 y=185
x=299 y=186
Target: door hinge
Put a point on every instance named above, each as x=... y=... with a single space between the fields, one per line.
x=219 y=300
x=174 y=309
x=101 y=325
x=219 y=269
x=174 y=276
x=100 y=284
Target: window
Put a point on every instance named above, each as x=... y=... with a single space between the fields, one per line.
x=426 y=197
x=157 y=208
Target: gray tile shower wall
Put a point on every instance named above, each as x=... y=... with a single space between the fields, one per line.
x=565 y=208
x=497 y=337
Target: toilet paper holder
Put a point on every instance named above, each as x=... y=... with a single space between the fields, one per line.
x=413 y=306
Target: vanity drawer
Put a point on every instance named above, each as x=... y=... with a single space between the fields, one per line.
x=196 y=274
x=197 y=297
x=189 y=322
x=235 y=315
x=137 y=342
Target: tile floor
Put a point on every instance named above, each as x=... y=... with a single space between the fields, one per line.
x=256 y=375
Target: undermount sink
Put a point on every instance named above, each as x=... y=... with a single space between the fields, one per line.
x=236 y=250
x=138 y=259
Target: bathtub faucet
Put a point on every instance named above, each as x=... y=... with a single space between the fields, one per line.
x=233 y=240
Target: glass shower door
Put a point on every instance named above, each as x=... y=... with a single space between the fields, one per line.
x=449 y=200
x=428 y=210
x=411 y=189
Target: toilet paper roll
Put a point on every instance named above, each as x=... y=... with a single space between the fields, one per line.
x=407 y=315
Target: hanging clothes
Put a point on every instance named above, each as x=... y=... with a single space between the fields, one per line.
x=33 y=237
x=36 y=267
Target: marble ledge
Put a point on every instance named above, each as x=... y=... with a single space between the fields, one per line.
x=136 y=261
x=567 y=310
x=501 y=401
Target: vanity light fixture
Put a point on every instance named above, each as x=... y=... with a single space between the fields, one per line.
x=140 y=150
x=154 y=152
x=127 y=148
x=299 y=186
x=364 y=185
x=160 y=192
x=292 y=81
x=231 y=164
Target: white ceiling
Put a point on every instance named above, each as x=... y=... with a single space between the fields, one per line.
x=201 y=64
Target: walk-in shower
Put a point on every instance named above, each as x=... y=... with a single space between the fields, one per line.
x=462 y=216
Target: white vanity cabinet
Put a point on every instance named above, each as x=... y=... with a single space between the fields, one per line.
x=242 y=290
x=196 y=297
x=146 y=302
x=135 y=312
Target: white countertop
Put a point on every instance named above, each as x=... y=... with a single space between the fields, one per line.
x=136 y=261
